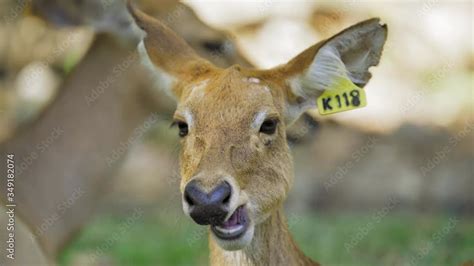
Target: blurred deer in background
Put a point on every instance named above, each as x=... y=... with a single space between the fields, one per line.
x=236 y=167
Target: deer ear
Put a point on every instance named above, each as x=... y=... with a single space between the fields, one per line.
x=348 y=54
x=168 y=56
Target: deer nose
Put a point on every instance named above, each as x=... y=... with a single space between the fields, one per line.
x=208 y=208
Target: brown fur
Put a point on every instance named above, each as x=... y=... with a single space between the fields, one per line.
x=220 y=107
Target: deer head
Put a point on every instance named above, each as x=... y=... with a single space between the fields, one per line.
x=236 y=167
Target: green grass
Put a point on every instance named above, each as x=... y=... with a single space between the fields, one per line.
x=395 y=239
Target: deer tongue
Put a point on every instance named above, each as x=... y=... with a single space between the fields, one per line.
x=235 y=219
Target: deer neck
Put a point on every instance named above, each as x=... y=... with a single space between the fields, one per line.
x=272 y=244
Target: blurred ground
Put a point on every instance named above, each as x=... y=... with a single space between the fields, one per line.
x=332 y=238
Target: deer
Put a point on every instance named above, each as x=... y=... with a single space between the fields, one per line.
x=235 y=164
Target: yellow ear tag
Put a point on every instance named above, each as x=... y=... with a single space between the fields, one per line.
x=342 y=96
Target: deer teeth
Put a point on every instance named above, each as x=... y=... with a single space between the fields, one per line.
x=229 y=230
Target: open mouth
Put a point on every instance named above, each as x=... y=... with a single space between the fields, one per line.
x=234 y=227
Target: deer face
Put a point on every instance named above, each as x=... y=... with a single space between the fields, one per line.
x=235 y=163
x=236 y=168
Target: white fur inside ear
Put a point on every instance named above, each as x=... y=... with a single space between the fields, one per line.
x=326 y=68
x=360 y=48
x=161 y=78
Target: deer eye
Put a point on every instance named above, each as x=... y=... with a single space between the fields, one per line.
x=183 y=129
x=182 y=126
x=269 y=126
x=213 y=46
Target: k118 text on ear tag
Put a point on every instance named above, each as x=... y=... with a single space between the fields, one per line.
x=342 y=96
